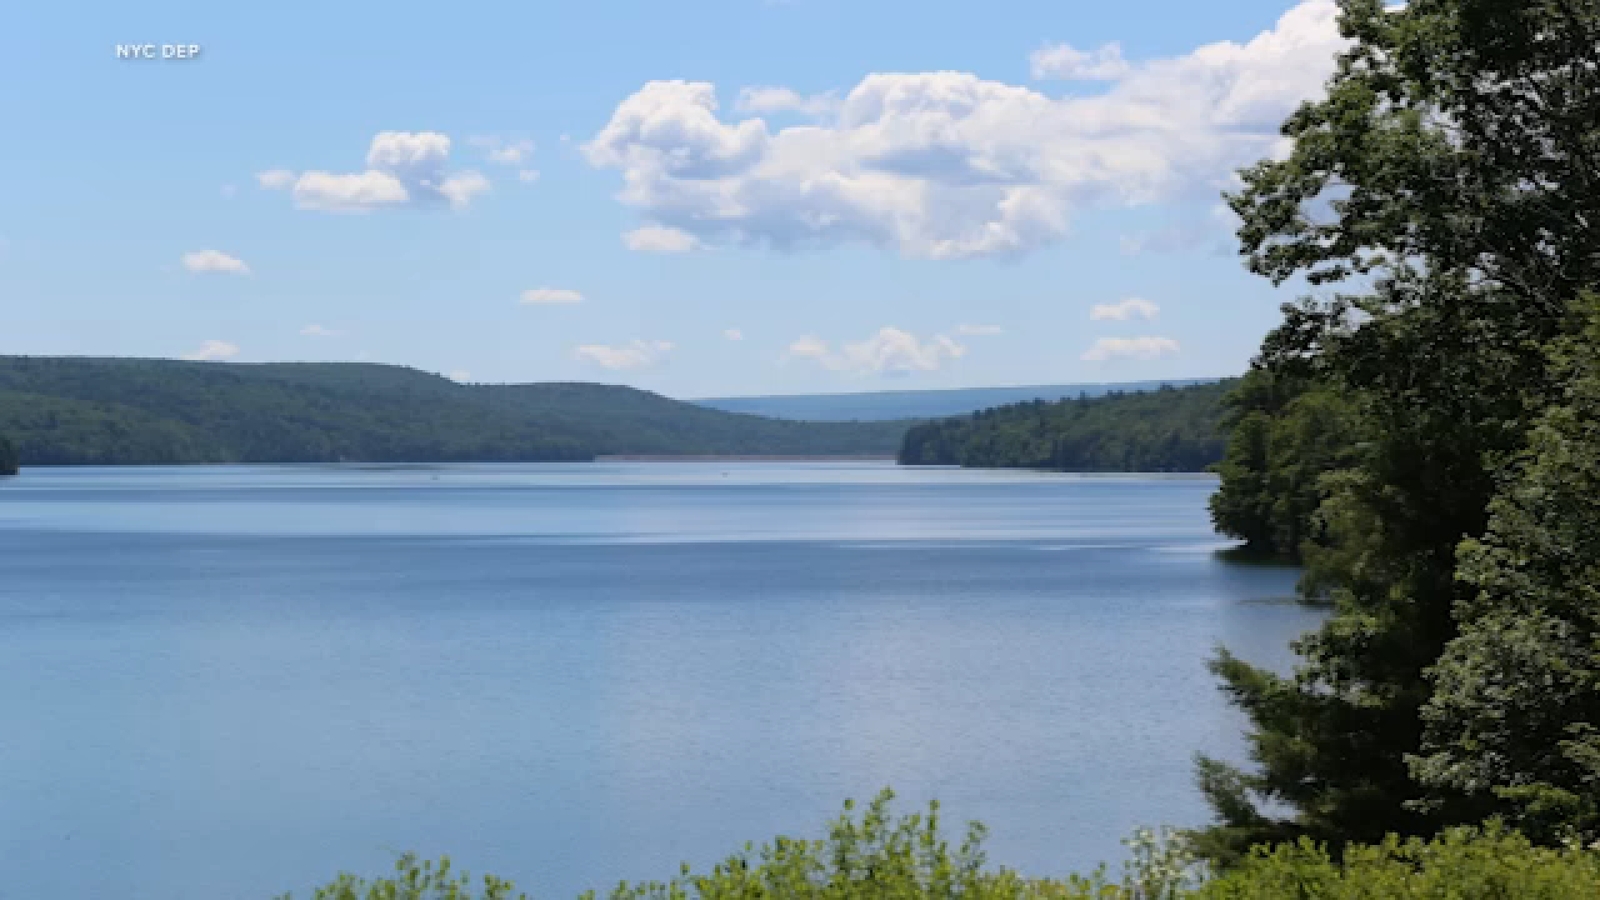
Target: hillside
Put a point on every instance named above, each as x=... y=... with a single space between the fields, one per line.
x=1166 y=430
x=59 y=410
x=889 y=405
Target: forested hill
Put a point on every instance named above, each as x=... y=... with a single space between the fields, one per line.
x=70 y=410
x=1173 y=429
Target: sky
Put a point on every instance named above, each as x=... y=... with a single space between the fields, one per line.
x=708 y=198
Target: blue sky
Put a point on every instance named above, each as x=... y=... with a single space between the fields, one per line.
x=706 y=198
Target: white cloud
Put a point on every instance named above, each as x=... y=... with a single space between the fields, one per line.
x=460 y=189
x=228 y=191
x=1130 y=348
x=635 y=354
x=542 y=296
x=404 y=168
x=528 y=176
x=1063 y=62
x=214 y=261
x=317 y=331
x=1122 y=311
x=213 y=350
x=503 y=152
x=980 y=330
x=460 y=376
x=946 y=164
x=733 y=334
x=356 y=192
x=760 y=100
x=275 y=179
x=890 y=351
x=656 y=239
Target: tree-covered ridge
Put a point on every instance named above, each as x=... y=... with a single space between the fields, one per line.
x=1165 y=430
x=133 y=411
x=8 y=457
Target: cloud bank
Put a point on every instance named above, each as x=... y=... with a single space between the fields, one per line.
x=946 y=165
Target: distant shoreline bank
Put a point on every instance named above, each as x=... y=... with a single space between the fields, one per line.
x=641 y=457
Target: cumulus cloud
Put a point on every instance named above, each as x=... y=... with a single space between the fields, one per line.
x=528 y=176
x=404 y=169
x=214 y=261
x=1123 y=310
x=890 y=352
x=635 y=354
x=761 y=100
x=733 y=334
x=1064 y=62
x=1130 y=348
x=213 y=350
x=545 y=295
x=656 y=239
x=317 y=331
x=357 y=192
x=946 y=164
x=979 y=330
x=460 y=376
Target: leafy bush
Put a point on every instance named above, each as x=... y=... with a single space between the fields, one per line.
x=875 y=856
x=1461 y=865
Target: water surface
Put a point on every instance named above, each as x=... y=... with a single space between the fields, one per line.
x=226 y=682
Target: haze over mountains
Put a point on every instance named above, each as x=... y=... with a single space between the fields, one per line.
x=877 y=406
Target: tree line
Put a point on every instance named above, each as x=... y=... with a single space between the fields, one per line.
x=1165 y=430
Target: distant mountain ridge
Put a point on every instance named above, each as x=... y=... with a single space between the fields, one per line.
x=82 y=410
x=879 y=406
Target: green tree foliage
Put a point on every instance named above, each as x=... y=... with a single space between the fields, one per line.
x=875 y=856
x=1285 y=437
x=1453 y=166
x=1514 y=721
x=416 y=879
x=1166 y=430
x=113 y=411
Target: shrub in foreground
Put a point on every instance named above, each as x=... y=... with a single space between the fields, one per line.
x=876 y=856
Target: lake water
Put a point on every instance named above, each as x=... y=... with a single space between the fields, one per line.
x=228 y=682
